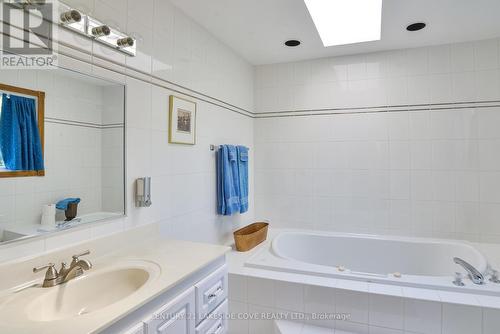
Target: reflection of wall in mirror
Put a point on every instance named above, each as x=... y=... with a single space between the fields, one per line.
x=83 y=148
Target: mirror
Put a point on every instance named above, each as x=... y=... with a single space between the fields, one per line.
x=61 y=151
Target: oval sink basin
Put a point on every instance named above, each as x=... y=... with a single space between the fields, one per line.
x=86 y=294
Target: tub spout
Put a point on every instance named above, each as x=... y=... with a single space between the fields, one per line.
x=474 y=274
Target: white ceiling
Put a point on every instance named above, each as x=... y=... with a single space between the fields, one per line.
x=256 y=29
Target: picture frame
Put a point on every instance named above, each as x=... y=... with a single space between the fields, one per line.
x=182 y=121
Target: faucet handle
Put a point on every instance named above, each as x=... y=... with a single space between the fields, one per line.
x=458 y=279
x=494 y=276
x=75 y=257
x=51 y=271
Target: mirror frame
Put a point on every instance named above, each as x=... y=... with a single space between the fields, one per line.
x=41 y=119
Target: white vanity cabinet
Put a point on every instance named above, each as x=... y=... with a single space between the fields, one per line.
x=198 y=306
x=210 y=292
x=175 y=317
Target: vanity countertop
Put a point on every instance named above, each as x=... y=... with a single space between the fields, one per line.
x=173 y=261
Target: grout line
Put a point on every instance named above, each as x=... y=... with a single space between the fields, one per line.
x=83 y=124
x=368 y=110
x=381 y=107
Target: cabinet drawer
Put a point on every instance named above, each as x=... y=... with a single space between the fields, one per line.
x=176 y=317
x=137 y=329
x=210 y=292
x=216 y=322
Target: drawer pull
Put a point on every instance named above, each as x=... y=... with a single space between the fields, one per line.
x=214 y=294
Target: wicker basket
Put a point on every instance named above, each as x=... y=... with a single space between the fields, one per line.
x=250 y=236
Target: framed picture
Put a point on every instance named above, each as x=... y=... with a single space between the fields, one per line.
x=182 y=121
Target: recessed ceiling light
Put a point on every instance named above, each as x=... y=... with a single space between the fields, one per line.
x=342 y=22
x=292 y=43
x=416 y=26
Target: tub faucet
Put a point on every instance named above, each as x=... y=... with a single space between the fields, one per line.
x=474 y=274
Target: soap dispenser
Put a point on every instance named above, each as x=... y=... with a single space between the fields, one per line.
x=143 y=192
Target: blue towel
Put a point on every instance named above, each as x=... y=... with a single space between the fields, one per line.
x=63 y=204
x=243 y=177
x=228 y=198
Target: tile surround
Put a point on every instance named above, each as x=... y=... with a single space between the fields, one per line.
x=436 y=74
x=369 y=312
x=416 y=171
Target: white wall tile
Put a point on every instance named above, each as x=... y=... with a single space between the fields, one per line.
x=289 y=296
x=433 y=156
x=237 y=323
x=422 y=316
x=318 y=299
x=261 y=291
x=441 y=88
x=491 y=321
x=417 y=61
x=353 y=303
x=462 y=57
x=458 y=319
x=440 y=59
x=463 y=86
x=261 y=325
x=380 y=330
x=386 y=311
x=487 y=85
x=486 y=55
x=344 y=327
x=238 y=287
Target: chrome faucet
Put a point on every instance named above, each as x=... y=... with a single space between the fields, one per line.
x=474 y=274
x=65 y=274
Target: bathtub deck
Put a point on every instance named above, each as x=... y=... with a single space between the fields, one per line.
x=237 y=260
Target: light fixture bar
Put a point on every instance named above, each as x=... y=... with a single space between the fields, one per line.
x=90 y=27
x=342 y=22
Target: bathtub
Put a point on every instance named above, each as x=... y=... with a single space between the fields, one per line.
x=406 y=261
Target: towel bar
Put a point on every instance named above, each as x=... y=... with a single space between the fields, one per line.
x=212 y=147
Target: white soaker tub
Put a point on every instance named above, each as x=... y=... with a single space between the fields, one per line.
x=405 y=261
x=377 y=255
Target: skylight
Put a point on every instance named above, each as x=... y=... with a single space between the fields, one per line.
x=342 y=22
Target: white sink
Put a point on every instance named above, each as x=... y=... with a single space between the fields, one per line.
x=91 y=292
x=85 y=295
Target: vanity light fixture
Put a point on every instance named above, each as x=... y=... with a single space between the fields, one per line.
x=101 y=31
x=125 y=42
x=111 y=37
x=71 y=16
x=98 y=31
x=72 y=19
